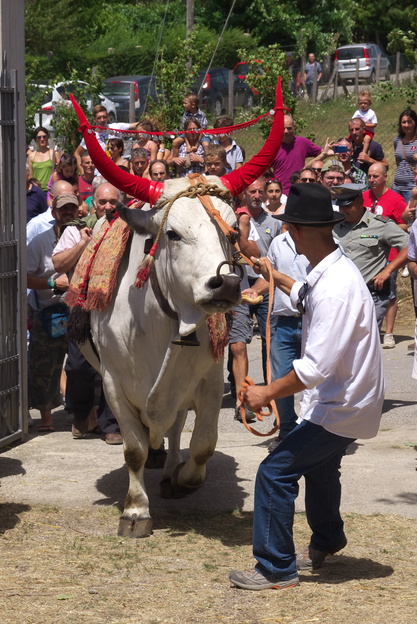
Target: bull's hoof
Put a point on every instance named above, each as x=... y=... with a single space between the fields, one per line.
x=135 y=527
x=170 y=488
x=156 y=458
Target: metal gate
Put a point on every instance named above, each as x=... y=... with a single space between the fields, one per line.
x=13 y=363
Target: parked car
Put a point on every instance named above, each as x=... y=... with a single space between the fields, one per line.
x=367 y=54
x=214 y=91
x=59 y=93
x=242 y=69
x=117 y=89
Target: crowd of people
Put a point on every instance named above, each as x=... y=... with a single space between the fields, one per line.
x=316 y=207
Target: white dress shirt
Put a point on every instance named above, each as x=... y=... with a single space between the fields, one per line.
x=341 y=365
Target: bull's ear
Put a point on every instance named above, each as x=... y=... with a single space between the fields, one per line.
x=141 y=221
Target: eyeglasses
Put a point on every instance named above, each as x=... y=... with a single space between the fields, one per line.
x=307 y=180
x=41 y=136
x=318 y=169
x=270 y=180
x=301 y=296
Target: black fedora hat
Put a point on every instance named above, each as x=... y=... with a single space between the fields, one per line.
x=310 y=204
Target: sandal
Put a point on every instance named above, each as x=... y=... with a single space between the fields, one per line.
x=45 y=429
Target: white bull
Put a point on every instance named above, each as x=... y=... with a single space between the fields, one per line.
x=149 y=382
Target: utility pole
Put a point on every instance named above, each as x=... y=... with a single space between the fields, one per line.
x=190 y=26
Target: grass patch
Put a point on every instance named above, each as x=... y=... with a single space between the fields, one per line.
x=77 y=570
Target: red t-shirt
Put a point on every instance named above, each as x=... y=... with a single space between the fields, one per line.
x=390 y=204
x=84 y=188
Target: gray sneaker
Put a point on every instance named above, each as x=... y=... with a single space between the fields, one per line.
x=252 y=579
x=250 y=416
x=274 y=443
x=311 y=558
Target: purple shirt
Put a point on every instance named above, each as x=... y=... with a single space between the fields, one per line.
x=291 y=157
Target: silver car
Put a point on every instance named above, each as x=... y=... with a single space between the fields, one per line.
x=367 y=54
x=60 y=93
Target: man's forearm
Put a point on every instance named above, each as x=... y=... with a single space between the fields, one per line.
x=66 y=260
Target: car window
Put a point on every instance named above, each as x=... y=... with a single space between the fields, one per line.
x=116 y=88
x=346 y=54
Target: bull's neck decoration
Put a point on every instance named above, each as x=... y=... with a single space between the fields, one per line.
x=149 y=191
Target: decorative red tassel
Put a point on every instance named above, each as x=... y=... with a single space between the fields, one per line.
x=145 y=267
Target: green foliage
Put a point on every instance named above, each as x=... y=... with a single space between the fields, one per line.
x=387 y=90
x=174 y=79
x=405 y=41
x=274 y=64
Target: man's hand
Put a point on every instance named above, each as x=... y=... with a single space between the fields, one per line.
x=328 y=148
x=256 y=397
x=86 y=233
x=260 y=267
x=61 y=282
x=379 y=280
x=363 y=157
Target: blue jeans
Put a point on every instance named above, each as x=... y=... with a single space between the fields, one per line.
x=285 y=348
x=311 y=451
x=260 y=310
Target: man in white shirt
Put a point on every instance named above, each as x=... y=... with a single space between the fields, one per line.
x=340 y=372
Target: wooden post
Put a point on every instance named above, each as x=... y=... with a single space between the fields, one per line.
x=132 y=102
x=231 y=92
x=378 y=66
x=357 y=78
x=397 y=68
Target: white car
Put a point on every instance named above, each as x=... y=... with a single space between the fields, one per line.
x=59 y=93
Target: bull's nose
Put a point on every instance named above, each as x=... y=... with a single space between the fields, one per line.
x=225 y=287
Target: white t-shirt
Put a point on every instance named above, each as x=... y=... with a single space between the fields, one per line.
x=367 y=116
x=341 y=363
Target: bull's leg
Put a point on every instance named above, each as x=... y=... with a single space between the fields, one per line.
x=174 y=457
x=190 y=476
x=135 y=520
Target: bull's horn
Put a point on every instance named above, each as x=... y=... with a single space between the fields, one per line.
x=137 y=187
x=239 y=179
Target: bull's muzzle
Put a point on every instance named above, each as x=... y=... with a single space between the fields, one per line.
x=226 y=287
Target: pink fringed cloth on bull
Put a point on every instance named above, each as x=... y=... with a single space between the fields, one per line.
x=94 y=280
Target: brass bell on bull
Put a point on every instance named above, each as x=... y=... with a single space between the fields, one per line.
x=186 y=341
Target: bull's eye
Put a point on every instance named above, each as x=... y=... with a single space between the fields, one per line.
x=173 y=235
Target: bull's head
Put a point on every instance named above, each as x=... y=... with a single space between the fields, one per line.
x=193 y=265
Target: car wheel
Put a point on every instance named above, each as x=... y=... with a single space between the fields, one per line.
x=388 y=74
x=218 y=108
x=249 y=101
x=372 y=77
x=112 y=118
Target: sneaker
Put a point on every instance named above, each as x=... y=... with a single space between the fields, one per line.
x=274 y=443
x=311 y=559
x=250 y=416
x=388 y=342
x=252 y=579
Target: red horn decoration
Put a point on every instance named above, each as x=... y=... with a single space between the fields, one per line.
x=239 y=179
x=137 y=187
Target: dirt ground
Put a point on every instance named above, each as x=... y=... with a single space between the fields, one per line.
x=62 y=566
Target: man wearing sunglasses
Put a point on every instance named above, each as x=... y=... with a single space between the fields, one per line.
x=342 y=398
